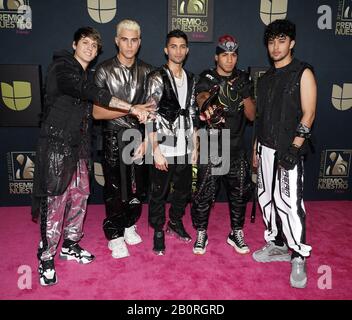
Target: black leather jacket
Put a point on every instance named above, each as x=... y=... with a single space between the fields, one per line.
x=64 y=133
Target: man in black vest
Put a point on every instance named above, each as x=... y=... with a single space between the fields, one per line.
x=171 y=136
x=224 y=97
x=286 y=106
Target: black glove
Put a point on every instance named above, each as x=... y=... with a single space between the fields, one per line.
x=290 y=158
x=217 y=110
x=242 y=85
x=217 y=118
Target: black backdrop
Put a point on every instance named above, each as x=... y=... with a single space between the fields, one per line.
x=53 y=24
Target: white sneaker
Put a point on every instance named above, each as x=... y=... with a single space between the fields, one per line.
x=47 y=273
x=118 y=248
x=131 y=236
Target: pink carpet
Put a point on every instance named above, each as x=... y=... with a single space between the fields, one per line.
x=221 y=274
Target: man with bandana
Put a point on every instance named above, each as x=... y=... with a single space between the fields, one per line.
x=224 y=97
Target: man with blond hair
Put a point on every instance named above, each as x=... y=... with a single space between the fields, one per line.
x=124 y=75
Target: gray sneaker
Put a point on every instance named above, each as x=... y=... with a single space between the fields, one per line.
x=298 y=277
x=271 y=252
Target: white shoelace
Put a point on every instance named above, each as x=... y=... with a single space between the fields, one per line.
x=200 y=238
x=239 y=237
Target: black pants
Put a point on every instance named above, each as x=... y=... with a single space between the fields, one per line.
x=238 y=188
x=122 y=189
x=181 y=177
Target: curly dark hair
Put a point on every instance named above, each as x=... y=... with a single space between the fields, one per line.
x=279 y=28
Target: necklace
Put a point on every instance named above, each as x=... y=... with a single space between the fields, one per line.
x=179 y=81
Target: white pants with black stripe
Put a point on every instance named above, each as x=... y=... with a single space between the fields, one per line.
x=286 y=200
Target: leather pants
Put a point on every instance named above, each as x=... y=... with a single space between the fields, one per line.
x=238 y=188
x=122 y=192
x=181 y=177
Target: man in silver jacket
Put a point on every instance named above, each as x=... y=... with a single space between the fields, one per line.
x=125 y=77
x=172 y=137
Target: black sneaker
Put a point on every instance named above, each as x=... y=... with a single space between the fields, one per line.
x=72 y=251
x=159 y=243
x=236 y=239
x=177 y=229
x=47 y=273
x=201 y=243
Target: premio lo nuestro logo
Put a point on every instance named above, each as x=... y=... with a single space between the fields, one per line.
x=193 y=8
x=335 y=169
x=16 y=14
x=344 y=18
x=20 y=171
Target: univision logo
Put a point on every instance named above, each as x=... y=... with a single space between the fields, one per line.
x=341 y=98
x=271 y=10
x=98 y=173
x=101 y=11
x=193 y=7
x=18 y=96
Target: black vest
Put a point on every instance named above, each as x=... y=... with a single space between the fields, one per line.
x=279 y=109
x=169 y=107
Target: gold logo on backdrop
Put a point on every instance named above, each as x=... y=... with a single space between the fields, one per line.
x=341 y=98
x=11 y=4
x=347 y=10
x=98 y=173
x=102 y=11
x=192 y=8
x=337 y=163
x=16 y=14
x=344 y=18
x=335 y=170
x=20 y=171
x=18 y=96
x=26 y=167
x=271 y=10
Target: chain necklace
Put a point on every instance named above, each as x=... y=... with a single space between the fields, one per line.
x=179 y=81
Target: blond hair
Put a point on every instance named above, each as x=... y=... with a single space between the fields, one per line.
x=128 y=24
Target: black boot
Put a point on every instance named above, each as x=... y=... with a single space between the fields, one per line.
x=178 y=229
x=159 y=243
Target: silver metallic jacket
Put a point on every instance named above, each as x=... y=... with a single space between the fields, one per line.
x=125 y=83
x=161 y=90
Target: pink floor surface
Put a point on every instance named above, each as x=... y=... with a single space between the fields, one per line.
x=221 y=274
